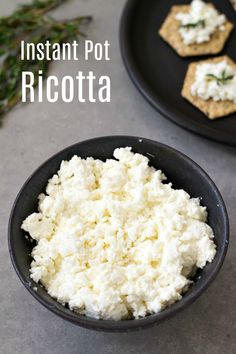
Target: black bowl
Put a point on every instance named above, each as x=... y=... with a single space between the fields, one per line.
x=179 y=169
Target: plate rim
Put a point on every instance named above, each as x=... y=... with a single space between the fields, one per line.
x=141 y=84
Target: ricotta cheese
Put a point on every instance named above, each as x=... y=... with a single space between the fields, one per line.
x=216 y=81
x=113 y=240
x=197 y=25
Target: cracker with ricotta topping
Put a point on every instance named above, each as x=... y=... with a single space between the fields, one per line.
x=169 y=31
x=212 y=109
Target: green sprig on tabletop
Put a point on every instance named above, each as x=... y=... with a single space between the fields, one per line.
x=200 y=23
x=221 y=80
x=30 y=23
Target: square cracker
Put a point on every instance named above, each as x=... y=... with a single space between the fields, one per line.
x=212 y=109
x=169 y=31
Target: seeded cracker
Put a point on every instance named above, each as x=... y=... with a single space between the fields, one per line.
x=169 y=31
x=210 y=108
x=233 y=2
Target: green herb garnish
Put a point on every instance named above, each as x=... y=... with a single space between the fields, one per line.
x=221 y=80
x=200 y=23
x=31 y=24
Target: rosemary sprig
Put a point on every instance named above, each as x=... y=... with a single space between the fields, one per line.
x=40 y=7
x=221 y=80
x=31 y=24
x=25 y=19
x=200 y=23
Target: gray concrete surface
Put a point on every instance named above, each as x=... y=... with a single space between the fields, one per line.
x=31 y=133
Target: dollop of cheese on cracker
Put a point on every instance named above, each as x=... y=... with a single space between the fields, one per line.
x=198 y=25
x=215 y=81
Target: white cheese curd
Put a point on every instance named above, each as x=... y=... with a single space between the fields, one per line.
x=197 y=25
x=113 y=240
x=209 y=82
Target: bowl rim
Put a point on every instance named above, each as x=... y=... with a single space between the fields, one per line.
x=125 y=325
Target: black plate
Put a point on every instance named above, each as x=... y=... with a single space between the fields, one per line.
x=158 y=72
x=179 y=169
